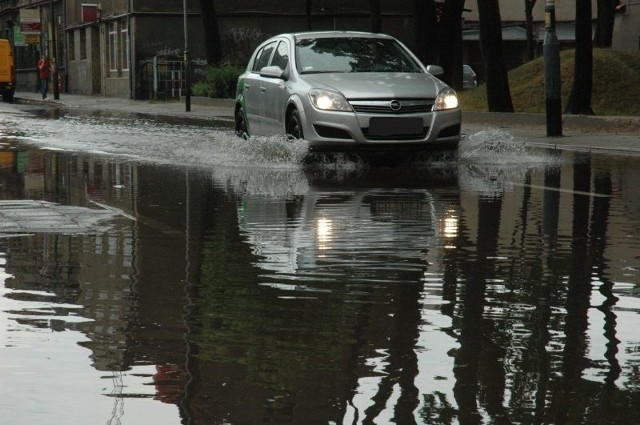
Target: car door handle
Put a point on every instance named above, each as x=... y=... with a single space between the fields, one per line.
x=263 y=89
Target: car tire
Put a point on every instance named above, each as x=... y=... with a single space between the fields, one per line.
x=294 y=125
x=241 y=124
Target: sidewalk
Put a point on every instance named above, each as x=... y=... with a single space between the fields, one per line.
x=591 y=133
x=201 y=108
x=580 y=132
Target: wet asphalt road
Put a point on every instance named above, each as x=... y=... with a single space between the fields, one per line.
x=167 y=272
x=583 y=133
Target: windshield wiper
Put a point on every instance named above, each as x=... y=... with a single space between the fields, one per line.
x=322 y=72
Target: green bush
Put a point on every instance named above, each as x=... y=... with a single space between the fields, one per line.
x=220 y=82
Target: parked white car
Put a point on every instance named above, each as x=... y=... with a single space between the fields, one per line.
x=469 y=78
x=341 y=90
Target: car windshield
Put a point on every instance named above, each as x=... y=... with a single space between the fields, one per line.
x=353 y=54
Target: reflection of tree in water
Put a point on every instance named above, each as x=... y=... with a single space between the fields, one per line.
x=437 y=410
x=577 y=303
x=479 y=356
x=599 y=220
x=539 y=353
x=518 y=361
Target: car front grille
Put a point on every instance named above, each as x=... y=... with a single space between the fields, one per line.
x=392 y=106
x=409 y=136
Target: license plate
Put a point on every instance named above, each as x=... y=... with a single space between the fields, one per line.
x=395 y=126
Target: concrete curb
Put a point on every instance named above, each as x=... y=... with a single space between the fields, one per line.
x=586 y=123
x=210 y=101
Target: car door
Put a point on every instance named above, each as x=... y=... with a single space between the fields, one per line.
x=275 y=92
x=253 y=90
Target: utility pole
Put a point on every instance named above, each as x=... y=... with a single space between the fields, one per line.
x=54 y=53
x=187 y=66
x=552 y=71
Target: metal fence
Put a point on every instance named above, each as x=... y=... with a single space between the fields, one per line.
x=168 y=77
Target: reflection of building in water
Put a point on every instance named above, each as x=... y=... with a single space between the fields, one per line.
x=91 y=270
x=22 y=173
x=123 y=288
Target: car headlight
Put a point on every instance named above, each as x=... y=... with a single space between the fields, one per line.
x=446 y=99
x=328 y=100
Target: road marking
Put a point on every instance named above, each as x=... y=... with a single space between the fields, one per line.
x=557 y=189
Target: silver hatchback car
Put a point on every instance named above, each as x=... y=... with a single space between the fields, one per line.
x=341 y=90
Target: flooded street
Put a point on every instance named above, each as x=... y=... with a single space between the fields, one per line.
x=157 y=273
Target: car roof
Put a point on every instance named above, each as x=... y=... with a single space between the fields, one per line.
x=333 y=34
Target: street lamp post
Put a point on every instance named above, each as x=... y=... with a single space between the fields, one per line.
x=187 y=65
x=552 y=71
x=54 y=53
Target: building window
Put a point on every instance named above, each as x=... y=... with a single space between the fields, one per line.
x=83 y=44
x=90 y=12
x=124 y=46
x=72 y=45
x=113 y=46
x=118 y=47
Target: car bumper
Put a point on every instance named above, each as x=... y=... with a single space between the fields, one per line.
x=345 y=130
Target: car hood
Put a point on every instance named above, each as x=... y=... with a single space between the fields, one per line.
x=376 y=85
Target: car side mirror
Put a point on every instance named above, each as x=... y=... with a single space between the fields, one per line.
x=435 y=70
x=272 y=72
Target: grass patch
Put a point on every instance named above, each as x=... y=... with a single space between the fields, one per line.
x=616 y=84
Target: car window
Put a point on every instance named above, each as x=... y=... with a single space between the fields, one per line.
x=262 y=59
x=353 y=54
x=281 y=56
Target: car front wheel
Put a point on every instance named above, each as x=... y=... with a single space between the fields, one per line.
x=294 y=125
x=241 y=124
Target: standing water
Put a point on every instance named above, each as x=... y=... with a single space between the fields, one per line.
x=164 y=274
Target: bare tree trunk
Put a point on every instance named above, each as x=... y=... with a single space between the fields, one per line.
x=497 y=78
x=580 y=98
x=432 y=54
x=531 y=43
x=376 y=16
x=211 y=32
x=450 y=29
x=421 y=29
x=604 y=23
x=308 y=9
x=439 y=37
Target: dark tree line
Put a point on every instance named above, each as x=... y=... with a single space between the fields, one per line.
x=211 y=31
x=498 y=94
x=438 y=37
x=580 y=98
x=528 y=16
x=604 y=23
x=581 y=91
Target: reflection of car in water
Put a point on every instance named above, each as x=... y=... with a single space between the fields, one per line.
x=346 y=234
x=343 y=236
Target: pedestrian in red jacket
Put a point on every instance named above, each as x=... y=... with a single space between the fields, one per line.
x=44 y=69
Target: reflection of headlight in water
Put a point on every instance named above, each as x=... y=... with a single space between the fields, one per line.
x=450 y=227
x=324 y=232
